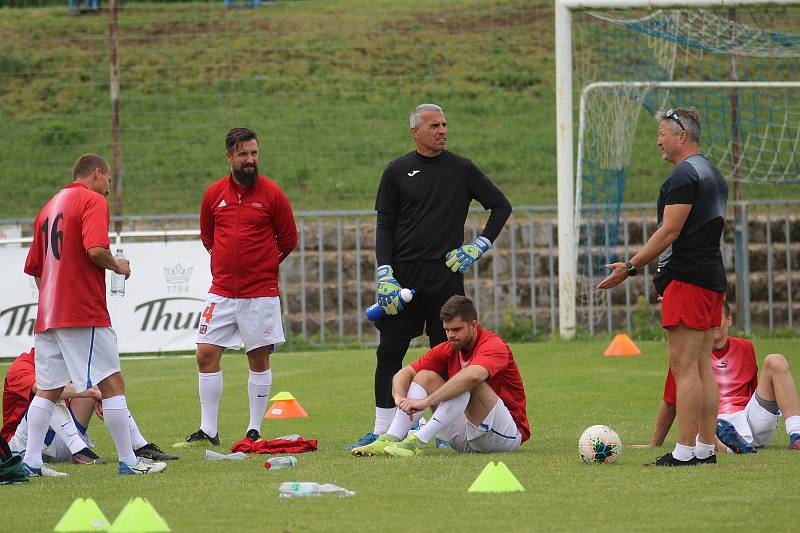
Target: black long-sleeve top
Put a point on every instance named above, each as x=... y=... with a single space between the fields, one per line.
x=423 y=202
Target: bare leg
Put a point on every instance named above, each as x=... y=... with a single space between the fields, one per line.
x=481 y=402
x=258 y=359
x=710 y=395
x=82 y=409
x=685 y=347
x=776 y=384
x=428 y=380
x=208 y=358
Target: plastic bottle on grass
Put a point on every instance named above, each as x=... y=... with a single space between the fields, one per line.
x=276 y=463
x=215 y=456
x=294 y=489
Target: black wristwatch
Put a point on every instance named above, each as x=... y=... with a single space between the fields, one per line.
x=632 y=270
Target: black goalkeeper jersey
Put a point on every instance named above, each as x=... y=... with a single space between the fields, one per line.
x=423 y=202
x=695 y=256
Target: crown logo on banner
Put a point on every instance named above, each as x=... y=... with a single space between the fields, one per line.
x=178 y=274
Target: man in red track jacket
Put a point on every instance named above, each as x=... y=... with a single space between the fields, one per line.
x=247 y=225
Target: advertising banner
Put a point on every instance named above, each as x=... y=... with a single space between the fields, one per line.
x=160 y=310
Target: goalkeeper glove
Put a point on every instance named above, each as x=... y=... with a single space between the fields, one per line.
x=460 y=259
x=387 y=293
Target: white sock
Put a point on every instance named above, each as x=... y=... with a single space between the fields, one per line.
x=258 y=385
x=115 y=414
x=210 y=393
x=383 y=419
x=39 y=413
x=683 y=452
x=137 y=439
x=447 y=413
x=401 y=422
x=65 y=428
x=792 y=424
x=703 y=450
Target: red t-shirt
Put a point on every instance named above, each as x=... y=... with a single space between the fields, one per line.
x=492 y=353
x=246 y=230
x=17 y=392
x=72 y=289
x=736 y=372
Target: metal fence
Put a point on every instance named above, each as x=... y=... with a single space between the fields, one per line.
x=330 y=278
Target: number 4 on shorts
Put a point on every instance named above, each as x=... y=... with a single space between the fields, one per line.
x=208 y=313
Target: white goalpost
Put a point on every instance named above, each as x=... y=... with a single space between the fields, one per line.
x=696 y=32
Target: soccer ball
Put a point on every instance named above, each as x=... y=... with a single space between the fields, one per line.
x=599 y=444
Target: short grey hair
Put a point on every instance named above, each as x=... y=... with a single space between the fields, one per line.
x=689 y=119
x=419 y=110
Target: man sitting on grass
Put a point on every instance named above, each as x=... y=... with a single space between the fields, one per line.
x=67 y=439
x=479 y=408
x=749 y=404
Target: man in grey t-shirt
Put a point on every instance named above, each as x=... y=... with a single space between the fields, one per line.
x=690 y=280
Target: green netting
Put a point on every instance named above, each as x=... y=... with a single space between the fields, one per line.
x=752 y=134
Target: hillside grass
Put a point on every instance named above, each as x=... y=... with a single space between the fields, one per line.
x=327 y=85
x=569 y=386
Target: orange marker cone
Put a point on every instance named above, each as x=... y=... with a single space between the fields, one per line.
x=285 y=406
x=622 y=346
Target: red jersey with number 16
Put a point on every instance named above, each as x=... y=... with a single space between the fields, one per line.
x=492 y=353
x=72 y=289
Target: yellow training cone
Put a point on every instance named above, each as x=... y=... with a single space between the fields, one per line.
x=496 y=478
x=83 y=515
x=139 y=517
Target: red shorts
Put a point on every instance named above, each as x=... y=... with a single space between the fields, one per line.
x=695 y=306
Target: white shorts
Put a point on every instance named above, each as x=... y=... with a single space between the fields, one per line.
x=237 y=322
x=55 y=449
x=754 y=423
x=497 y=433
x=83 y=356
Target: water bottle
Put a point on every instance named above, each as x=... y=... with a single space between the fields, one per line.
x=215 y=456
x=277 y=463
x=293 y=437
x=294 y=489
x=118 y=280
x=374 y=311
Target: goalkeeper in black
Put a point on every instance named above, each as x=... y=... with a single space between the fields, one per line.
x=422 y=205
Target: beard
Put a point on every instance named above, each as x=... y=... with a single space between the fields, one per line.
x=246 y=175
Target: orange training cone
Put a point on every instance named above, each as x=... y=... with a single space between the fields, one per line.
x=622 y=346
x=285 y=406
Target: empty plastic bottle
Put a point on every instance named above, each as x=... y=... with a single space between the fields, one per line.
x=215 y=456
x=118 y=280
x=276 y=463
x=294 y=489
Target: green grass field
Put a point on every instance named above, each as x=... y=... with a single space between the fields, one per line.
x=569 y=387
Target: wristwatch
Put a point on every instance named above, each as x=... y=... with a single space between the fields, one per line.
x=632 y=270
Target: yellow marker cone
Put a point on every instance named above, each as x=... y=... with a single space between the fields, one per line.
x=496 y=478
x=282 y=396
x=622 y=346
x=83 y=515
x=139 y=517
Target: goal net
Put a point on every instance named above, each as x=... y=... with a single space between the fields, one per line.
x=738 y=66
